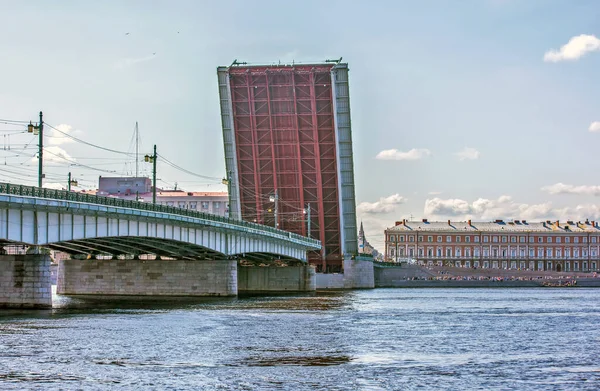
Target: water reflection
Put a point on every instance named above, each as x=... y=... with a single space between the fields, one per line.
x=365 y=340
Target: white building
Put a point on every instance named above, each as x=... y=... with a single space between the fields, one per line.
x=140 y=188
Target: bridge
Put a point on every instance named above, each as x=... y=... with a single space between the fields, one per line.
x=133 y=233
x=87 y=224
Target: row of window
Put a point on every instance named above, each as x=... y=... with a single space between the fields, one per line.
x=495 y=239
x=541 y=252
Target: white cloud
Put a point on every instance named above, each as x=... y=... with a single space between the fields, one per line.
x=129 y=62
x=56 y=154
x=57 y=138
x=384 y=205
x=574 y=49
x=594 y=126
x=561 y=188
x=484 y=209
x=468 y=154
x=394 y=154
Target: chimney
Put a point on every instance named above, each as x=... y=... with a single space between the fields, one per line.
x=404 y=221
x=469 y=223
x=593 y=224
x=424 y=220
x=449 y=222
x=557 y=223
x=398 y=223
x=524 y=221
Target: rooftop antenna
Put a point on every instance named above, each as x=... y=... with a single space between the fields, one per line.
x=235 y=62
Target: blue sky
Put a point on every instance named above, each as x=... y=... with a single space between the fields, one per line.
x=434 y=77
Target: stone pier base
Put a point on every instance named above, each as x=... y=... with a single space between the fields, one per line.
x=358 y=274
x=147 y=277
x=273 y=279
x=25 y=281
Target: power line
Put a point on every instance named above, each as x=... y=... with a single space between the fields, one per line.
x=88 y=143
x=74 y=163
x=175 y=166
x=13 y=122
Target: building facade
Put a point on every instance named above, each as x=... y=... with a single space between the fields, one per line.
x=288 y=144
x=548 y=245
x=131 y=188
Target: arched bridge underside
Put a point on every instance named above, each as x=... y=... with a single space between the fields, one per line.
x=92 y=229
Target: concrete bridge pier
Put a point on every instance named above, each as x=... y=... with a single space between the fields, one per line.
x=131 y=277
x=276 y=279
x=25 y=281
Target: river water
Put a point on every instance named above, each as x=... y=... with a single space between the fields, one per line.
x=385 y=339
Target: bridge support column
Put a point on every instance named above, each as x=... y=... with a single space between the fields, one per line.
x=120 y=277
x=273 y=279
x=25 y=281
x=358 y=274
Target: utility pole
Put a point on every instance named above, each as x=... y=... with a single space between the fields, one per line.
x=307 y=211
x=154 y=176
x=228 y=183
x=275 y=198
x=41 y=151
x=137 y=148
x=152 y=159
x=72 y=182
x=276 y=207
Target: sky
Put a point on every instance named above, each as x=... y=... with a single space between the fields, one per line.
x=477 y=109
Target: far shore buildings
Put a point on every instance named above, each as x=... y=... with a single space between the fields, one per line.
x=140 y=188
x=547 y=245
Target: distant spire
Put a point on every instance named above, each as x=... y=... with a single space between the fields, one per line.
x=361 y=232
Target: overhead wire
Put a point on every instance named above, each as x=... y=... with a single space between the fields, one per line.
x=170 y=163
x=88 y=143
x=74 y=163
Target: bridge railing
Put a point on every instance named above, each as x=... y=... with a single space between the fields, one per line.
x=33 y=191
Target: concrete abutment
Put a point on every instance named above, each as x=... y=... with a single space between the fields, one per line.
x=358 y=274
x=25 y=281
x=276 y=279
x=147 y=277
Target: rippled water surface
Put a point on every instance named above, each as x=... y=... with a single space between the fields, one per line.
x=394 y=339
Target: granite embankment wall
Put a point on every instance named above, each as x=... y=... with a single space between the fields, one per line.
x=393 y=276
x=413 y=276
x=581 y=283
x=358 y=274
x=258 y=279
x=147 y=277
x=25 y=281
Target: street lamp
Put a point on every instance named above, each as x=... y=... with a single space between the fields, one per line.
x=152 y=159
x=275 y=198
x=306 y=211
x=72 y=182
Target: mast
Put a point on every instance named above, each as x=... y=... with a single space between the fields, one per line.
x=137 y=148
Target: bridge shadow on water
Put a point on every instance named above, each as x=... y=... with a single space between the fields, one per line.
x=79 y=305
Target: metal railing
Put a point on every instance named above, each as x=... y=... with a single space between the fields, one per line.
x=33 y=191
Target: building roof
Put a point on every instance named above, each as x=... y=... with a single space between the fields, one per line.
x=495 y=226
